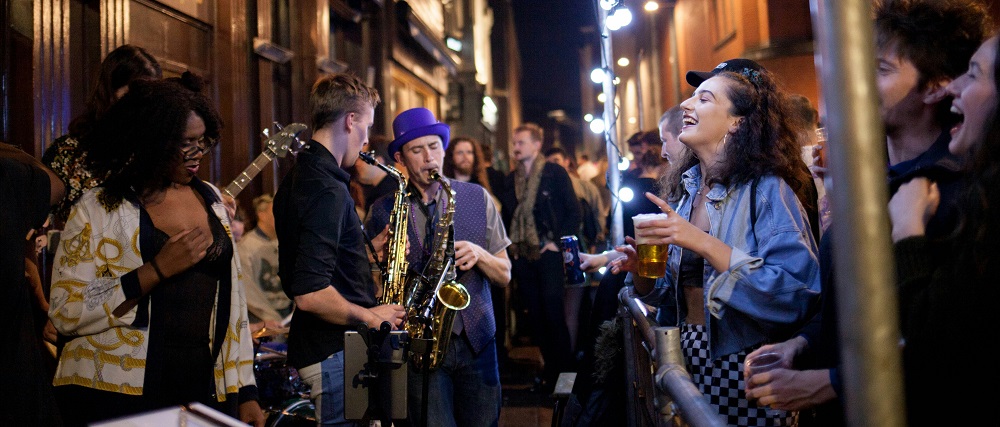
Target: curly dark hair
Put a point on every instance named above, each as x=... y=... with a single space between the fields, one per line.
x=478 y=163
x=979 y=226
x=765 y=142
x=937 y=36
x=139 y=140
x=119 y=68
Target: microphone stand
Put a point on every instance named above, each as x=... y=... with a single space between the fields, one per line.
x=377 y=374
x=424 y=346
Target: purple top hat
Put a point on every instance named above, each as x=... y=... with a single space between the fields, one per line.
x=415 y=123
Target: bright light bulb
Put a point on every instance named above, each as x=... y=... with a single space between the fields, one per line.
x=597 y=75
x=651 y=6
x=626 y=194
x=617 y=80
x=623 y=164
x=597 y=126
x=623 y=16
x=623 y=62
x=602 y=270
x=613 y=22
x=608 y=4
x=601 y=97
x=631 y=120
x=588 y=117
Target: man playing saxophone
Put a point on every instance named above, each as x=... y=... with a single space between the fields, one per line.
x=323 y=263
x=464 y=390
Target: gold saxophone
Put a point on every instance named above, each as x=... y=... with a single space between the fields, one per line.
x=394 y=281
x=431 y=306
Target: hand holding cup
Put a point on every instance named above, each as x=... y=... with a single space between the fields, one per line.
x=761 y=363
x=652 y=259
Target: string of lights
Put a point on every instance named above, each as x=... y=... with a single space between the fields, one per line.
x=611 y=15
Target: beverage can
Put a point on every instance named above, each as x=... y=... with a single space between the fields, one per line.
x=571 y=260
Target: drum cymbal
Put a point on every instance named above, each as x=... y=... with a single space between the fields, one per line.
x=266 y=332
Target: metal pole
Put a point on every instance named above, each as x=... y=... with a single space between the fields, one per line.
x=866 y=297
x=616 y=233
x=675 y=392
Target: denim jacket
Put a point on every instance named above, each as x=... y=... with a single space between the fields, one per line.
x=773 y=282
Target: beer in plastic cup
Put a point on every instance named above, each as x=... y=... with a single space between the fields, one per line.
x=652 y=258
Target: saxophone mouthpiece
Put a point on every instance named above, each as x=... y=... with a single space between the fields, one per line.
x=435 y=175
x=368 y=157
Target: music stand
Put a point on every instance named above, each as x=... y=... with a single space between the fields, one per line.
x=375 y=374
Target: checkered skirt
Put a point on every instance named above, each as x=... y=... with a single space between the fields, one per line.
x=721 y=380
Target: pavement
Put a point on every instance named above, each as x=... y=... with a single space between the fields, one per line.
x=523 y=404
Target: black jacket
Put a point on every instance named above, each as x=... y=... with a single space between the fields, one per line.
x=557 y=210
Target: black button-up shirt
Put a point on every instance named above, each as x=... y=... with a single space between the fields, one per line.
x=320 y=244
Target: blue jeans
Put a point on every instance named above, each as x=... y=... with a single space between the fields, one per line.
x=326 y=382
x=463 y=391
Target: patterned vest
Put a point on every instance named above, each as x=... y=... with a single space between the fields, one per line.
x=470 y=225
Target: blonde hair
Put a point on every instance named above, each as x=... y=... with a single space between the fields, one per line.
x=536 y=131
x=335 y=95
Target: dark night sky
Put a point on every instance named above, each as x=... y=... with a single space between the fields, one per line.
x=548 y=34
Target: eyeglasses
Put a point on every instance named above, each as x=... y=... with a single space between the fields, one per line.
x=192 y=147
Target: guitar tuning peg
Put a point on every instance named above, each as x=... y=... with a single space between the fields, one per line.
x=266 y=133
x=277 y=125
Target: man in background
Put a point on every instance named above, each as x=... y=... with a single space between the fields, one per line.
x=266 y=300
x=540 y=206
x=591 y=229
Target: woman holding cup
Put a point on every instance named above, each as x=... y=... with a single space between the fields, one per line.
x=741 y=266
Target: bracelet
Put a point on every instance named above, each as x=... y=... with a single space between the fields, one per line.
x=156 y=268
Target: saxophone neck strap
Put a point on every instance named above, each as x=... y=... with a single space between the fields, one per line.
x=371 y=247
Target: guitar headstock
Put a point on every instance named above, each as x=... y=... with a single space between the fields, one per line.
x=286 y=139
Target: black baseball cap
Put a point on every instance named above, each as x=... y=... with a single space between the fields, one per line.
x=736 y=65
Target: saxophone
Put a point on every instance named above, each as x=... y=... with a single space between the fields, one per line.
x=394 y=280
x=431 y=310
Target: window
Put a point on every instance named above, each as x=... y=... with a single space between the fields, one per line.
x=725 y=21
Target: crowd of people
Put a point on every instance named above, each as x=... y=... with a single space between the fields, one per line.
x=158 y=298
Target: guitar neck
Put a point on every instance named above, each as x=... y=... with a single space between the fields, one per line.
x=248 y=174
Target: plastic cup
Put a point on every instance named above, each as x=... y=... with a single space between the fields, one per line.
x=763 y=362
x=652 y=258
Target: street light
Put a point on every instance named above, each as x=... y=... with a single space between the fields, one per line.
x=597 y=126
x=618 y=18
x=651 y=6
x=623 y=16
x=612 y=23
x=626 y=194
x=597 y=75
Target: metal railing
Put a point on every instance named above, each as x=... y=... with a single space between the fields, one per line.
x=660 y=390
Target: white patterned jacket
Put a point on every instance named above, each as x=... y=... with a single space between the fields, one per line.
x=91 y=276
